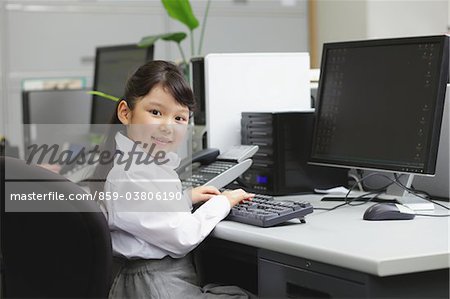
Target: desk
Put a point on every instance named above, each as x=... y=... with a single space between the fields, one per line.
x=337 y=254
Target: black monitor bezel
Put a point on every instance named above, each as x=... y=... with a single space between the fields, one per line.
x=199 y=89
x=26 y=117
x=102 y=49
x=26 y=113
x=430 y=164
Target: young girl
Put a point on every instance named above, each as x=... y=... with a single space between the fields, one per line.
x=153 y=238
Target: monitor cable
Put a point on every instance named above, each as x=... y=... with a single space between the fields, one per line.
x=371 y=195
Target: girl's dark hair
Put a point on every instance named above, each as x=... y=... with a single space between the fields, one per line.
x=153 y=73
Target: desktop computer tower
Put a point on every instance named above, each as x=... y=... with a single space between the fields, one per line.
x=281 y=164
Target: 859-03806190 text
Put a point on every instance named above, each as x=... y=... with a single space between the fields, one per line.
x=102 y=196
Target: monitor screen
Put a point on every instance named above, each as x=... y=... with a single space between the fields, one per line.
x=113 y=66
x=73 y=106
x=380 y=104
x=55 y=116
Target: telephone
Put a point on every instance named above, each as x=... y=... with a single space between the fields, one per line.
x=216 y=169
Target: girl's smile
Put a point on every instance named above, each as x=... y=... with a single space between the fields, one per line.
x=162 y=141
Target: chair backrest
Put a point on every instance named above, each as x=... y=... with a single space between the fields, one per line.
x=52 y=254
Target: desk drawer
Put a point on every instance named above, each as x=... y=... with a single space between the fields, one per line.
x=282 y=281
x=284 y=276
x=300 y=278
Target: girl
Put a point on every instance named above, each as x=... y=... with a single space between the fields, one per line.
x=153 y=238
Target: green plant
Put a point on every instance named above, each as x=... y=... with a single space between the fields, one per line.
x=104 y=95
x=181 y=11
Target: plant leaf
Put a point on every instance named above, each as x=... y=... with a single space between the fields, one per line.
x=181 y=10
x=104 y=95
x=175 y=37
x=147 y=41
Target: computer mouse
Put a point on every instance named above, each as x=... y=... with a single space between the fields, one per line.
x=388 y=211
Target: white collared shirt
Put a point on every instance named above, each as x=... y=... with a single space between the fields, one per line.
x=153 y=229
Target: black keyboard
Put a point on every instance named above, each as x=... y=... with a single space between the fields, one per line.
x=264 y=211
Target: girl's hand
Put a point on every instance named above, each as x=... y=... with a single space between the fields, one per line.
x=238 y=195
x=52 y=167
x=203 y=193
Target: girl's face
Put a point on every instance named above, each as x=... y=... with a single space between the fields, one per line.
x=156 y=119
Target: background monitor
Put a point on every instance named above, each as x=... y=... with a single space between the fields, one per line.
x=198 y=87
x=56 y=116
x=113 y=66
x=380 y=104
x=66 y=106
x=199 y=136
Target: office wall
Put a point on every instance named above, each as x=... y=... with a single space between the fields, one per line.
x=2 y=77
x=58 y=38
x=342 y=20
x=406 y=18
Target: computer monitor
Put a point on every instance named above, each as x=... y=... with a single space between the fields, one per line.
x=380 y=104
x=113 y=66
x=55 y=116
x=199 y=136
x=438 y=186
x=60 y=106
x=198 y=87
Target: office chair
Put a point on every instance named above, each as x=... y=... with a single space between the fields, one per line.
x=52 y=254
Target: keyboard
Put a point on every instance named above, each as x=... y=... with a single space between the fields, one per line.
x=264 y=211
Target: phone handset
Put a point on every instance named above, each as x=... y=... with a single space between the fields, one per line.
x=206 y=156
x=238 y=153
x=218 y=170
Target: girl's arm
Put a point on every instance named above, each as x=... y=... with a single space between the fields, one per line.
x=168 y=225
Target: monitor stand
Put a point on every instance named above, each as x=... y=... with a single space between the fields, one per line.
x=410 y=200
x=394 y=193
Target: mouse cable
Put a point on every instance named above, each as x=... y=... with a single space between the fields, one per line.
x=422 y=194
x=356 y=179
x=377 y=192
x=349 y=201
x=365 y=185
x=370 y=192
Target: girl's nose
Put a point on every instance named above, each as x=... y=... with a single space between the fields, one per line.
x=166 y=126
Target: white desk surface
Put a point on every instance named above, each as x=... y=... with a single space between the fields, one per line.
x=342 y=238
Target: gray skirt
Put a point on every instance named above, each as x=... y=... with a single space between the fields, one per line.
x=166 y=278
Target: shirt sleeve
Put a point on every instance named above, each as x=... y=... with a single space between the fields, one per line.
x=171 y=228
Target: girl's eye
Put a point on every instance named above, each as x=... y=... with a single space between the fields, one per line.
x=180 y=118
x=155 y=112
